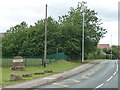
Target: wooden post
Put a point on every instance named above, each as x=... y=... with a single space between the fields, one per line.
x=45 y=48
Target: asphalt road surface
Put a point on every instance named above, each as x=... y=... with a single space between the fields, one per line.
x=103 y=75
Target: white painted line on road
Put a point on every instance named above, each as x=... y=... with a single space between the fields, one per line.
x=90 y=74
x=100 y=85
x=116 y=69
x=110 y=78
x=76 y=81
x=48 y=78
x=114 y=73
x=117 y=66
x=85 y=76
x=64 y=85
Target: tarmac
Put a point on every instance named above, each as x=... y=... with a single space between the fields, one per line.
x=52 y=78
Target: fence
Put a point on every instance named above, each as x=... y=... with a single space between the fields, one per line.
x=36 y=60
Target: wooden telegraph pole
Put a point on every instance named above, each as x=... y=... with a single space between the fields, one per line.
x=45 y=48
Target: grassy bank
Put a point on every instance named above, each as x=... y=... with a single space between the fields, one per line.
x=57 y=67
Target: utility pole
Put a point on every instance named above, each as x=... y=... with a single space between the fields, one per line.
x=45 y=48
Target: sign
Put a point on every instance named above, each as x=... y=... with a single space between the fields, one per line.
x=17 y=60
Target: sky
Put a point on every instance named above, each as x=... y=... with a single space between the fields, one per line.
x=13 y=12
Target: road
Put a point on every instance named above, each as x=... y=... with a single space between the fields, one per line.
x=103 y=75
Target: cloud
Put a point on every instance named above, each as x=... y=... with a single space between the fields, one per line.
x=15 y=11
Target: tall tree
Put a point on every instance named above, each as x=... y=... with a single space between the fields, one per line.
x=64 y=35
x=71 y=26
x=13 y=39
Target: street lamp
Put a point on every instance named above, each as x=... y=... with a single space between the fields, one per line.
x=111 y=46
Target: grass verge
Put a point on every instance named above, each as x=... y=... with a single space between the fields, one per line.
x=57 y=67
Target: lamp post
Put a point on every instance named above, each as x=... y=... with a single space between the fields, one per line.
x=83 y=13
x=111 y=46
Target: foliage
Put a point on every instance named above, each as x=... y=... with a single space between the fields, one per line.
x=114 y=50
x=95 y=55
x=13 y=39
x=71 y=31
x=64 y=35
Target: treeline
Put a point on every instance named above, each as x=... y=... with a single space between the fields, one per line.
x=64 y=35
x=112 y=52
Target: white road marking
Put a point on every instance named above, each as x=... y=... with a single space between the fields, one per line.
x=114 y=73
x=110 y=78
x=116 y=69
x=90 y=74
x=49 y=78
x=100 y=85
x=85 y=76
x=64 y=85
x=74 y=80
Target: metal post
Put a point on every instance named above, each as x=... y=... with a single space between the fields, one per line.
x=83 y=31
x=83 y=39
x=45 y=48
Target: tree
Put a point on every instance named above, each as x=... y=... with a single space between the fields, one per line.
x=13 y=39
x=64 y=35
x=115 y=51
x=71 y=31
x=29 y=41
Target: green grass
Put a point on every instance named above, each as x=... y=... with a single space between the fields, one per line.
x=57 y=67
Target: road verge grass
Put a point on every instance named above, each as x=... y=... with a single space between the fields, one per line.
x=56 y=67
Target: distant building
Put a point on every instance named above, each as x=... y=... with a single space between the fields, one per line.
x=102 y=46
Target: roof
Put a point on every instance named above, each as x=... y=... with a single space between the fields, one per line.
x=102 y=46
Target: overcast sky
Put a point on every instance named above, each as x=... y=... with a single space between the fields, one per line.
x=15 y=11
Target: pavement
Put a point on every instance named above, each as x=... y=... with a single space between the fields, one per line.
x=53 y=78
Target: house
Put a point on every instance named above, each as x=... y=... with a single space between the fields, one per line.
x=102 y=46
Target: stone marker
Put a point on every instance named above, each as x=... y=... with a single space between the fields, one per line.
x=18 y=63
